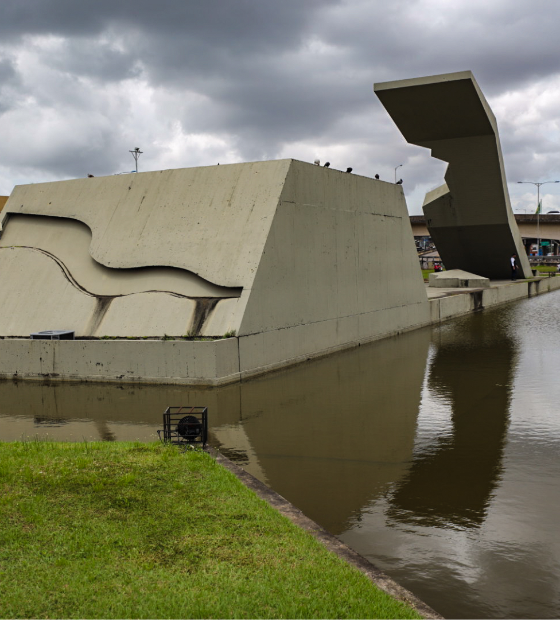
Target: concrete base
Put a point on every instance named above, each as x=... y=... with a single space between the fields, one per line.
x=457 y=278
x=448 y=304
x=212 y=363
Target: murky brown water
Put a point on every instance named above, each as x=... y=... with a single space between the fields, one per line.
x=434 y=454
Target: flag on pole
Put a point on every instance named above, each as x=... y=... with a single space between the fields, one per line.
x=539 y=208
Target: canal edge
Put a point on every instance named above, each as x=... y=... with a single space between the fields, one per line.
x=331 y=542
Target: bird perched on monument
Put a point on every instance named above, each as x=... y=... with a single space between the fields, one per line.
x=317 y=162
x=326 y=164
x=348 y=169
x=90 y=176
x=377 y=176
x=399 y=182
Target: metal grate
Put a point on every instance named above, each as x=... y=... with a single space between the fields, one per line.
x=185 y=425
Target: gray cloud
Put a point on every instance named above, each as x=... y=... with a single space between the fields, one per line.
x=227 y=80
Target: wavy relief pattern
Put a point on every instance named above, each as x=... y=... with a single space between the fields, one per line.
x=67 y=243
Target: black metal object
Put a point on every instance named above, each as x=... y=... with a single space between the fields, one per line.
x=185 y=425
x=53 y=334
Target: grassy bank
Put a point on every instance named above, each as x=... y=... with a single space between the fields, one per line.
x=546 y=268
x=109 y=530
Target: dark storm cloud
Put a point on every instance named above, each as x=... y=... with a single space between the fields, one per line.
x=505 y=42
x=105 y=64
x=7 y=72
x=232 y=52
x=243 y=25
x=199 y=82
x=8 y=84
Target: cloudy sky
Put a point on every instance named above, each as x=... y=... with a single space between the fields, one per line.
x=197 y=82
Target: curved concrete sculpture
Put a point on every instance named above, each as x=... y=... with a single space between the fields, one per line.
x=469 y=217
x=66 y=286
x=44 y=234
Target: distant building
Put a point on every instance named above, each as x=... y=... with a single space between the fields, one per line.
x=545 y=227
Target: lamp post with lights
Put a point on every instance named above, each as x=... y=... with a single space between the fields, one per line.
x=136 y=154
x=538 y=208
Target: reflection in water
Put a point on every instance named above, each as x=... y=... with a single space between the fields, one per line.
x=44 y=421
x=104 y=431
x=77 y=411
x=433 y=454
x=451 y=481
x=329 y=435
x=334 y=434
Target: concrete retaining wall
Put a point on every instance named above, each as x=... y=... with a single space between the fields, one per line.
x=225 y=361
x=174 y=362
x=454 y=305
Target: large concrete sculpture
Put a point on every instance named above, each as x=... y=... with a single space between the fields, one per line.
x=293 y=259
x=469 y=217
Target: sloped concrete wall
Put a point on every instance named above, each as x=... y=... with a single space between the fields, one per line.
x=339 y=266
x=51 y=282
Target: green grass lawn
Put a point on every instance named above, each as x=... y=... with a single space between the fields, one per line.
x=545 y=268
x=109 y=530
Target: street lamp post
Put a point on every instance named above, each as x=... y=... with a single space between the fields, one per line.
x=136 y=154
x=396 y=171
x=538 y=209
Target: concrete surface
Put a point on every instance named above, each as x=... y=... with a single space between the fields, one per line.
x=339 y=267
x=298 y=260
x=448 y=303
x=126 y=361
x=212 y=362
x=207 y=220
x=309 y=261
x=457 y=278
x=469 y=217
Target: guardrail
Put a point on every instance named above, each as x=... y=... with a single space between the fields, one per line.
x=544 y=260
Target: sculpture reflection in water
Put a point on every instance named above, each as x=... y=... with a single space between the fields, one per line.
x=451 y=481
x=330 y=435
x=100 y=411
x=333 y=435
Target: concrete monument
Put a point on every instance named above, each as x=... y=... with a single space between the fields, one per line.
x=469 y=217
x=294 y=260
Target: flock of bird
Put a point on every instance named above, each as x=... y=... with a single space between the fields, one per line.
x=317 y=162
x=327 y=164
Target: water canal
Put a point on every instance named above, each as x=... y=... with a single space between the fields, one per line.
x=435 y=454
